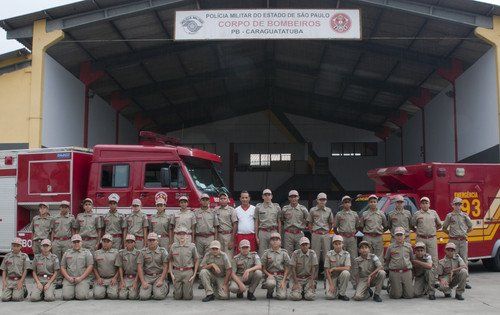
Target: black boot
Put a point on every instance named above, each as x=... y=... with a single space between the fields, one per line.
x=459 y=297
x=208 y=298
x=447 y=295
x=239 y=295
x=269 y=295
x=467 y=286
x=343 y=298
x=251 y=297
x=377 y=298
x=370 y=291
x=432 y=297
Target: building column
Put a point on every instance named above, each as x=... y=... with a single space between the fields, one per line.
x=42 y=40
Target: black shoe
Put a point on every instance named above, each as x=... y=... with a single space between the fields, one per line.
x=58 y=286
x=370 y=291
x=200 y=286
x=432 y=297
x=384 y=287
x=250 y=296
x=239 y=295
x=447 y=295
x=208 y=298
x=269 y=295
x=377 y=298
x=343 y=298
x=436 y=285
x=467 y=286
x=459 y=297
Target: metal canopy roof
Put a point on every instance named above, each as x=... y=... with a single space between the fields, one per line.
x=182 y=84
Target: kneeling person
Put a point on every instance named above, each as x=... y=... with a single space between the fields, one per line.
x=76 y=266
x=275 y=265
x=215 y=271
x=126 y=261
x=14 y=268
x=45 y=270
x=184 y=262
x=304 y=271
x=247 y=271
x=452 y=272
x=105 y=271
x=398 y=259
x=152 y=267
x=337 y=266
x=370 y=274
x=422 y=272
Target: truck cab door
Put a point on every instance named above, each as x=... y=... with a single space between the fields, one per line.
x=113 y=178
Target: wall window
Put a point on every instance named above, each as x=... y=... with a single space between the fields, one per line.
x=354 y=149
x=264 y=159
x=115 y=175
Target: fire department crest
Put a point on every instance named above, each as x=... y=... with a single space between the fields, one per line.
x=192 y=24
x=340 y=23
x=161 y=195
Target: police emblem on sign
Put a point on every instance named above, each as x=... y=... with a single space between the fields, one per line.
x=340 y=23
x=192 y=24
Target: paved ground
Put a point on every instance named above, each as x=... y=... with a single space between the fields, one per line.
x=482 y=299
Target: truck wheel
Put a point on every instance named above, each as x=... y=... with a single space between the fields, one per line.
x=493 y=263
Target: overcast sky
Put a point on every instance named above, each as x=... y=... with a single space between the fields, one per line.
x=12 y=8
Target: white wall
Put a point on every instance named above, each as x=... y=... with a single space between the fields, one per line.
x=412 y=135
x=101 y=122
x=128 y=133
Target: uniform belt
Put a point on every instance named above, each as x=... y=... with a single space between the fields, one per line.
x=347 y=234
x=399 y=270
x=117 y=235
x=153 y=274
x=458 y=238
x=268 y=229
x=205 y=234
x=277 y=273
x=293 y=231
x=373 y=234
x=320 y=232
x=183 y=268
x=303 y=277
x=187 y=233
x=62 y=238
x=130 y=276
x=44 y=275
x=14 y=278
x=426 y=236
x=88 y=238
x=225 y=232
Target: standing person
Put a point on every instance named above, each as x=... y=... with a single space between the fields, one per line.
x=76 y=266
x=152 y=266
x=275 y=265
x=373 y=225
x=15 y=266
x=320 y=221
x=294 y=217
x=160 y=222
x=45 y=270
x=398 y=261
x=423 y=272
x=137 y=224
x=247 y=269
x=400 y=217
x=105 y=270
x=62 y=227
x=245 y=213
x=114 y=222
x=184 y=262
x=426 y=222
x=267 y=220
x=40 y=227
x=457 y=225
x=228 y=224
x=126 y=261
x=88 y=226
x=370 y=274
x=304 y=272
x=184 y=218
x=215 y=273
x=452 y=272
x=337 y=267
x=207 y=224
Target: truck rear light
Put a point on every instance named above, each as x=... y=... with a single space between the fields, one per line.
x=460 y=172
x=401 y=170
x=441 y=172
x=8 y=160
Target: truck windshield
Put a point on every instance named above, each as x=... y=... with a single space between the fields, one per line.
x=205 y=176
x=360 y=204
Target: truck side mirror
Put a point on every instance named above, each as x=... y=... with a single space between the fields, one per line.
x=165 y=176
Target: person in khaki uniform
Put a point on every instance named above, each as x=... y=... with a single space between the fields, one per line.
x=105 y=271
x=247 y=269
x=303 y=272
x=346 y=224
x=400 y=217
x=423 y=273
x=114 y=222
x=398 y=259
x=14 y=268
x=457 y=225
x=184 y=218
x=62 y=227
x=215 y=273
x=370 y=274
x=275 y=265
x=160 y=223
x=76 y=266
x=373 y=224
x=184 y=263
x=452 y=272
x=337 y=267
x=207 y=224
x=228 y=225
x=126 y=261
x=88 y=226
x=137 y=224
x=152 y=269
x=45 y=270
x=320 y=221
x=267 y=220
x=40 y=227
x=425 y=223
x=294 y=217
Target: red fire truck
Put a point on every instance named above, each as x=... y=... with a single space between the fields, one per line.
x=158 y=163
x=477 y=184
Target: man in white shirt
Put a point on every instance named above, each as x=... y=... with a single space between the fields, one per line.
x=246 y=226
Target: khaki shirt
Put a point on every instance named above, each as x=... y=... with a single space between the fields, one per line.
x=104 y=261
x=321 y=218
x=399 y=218
x=419 y=271
x=206 y=221
x=136 y=222
x=374 y=222
x=62 y=225
x=446 y=264
x=76 y=261
x=346 y=222
x=221 y=260
x=183 y=256
x=294 y=216
x=160 y=224
x=303 y=263
x=46 y=265
x=242 y=263
x=426 y=223
x=153 y=260
x=114 y=223
x=184 y=219
x=268 y=215
x=368 y=265
x=227 y=216
x=340 y=259
x=15 y=264
x=275 y=261
x=399 y=256
x=88 y=224
x=127 y=260
x=40 y=227
x=457 y=224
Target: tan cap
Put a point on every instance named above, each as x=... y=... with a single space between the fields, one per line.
x=337 y=238
x=365 y=243
x=399 y=198
x=223 y=194
x=152 y=236
x=322 y=196
x=420 y=245
x=304 y=240
x=136 y=202
x=160 y=201
x=43 y=203
x=114 y=197
x=130 y=237
x=293 y=193
x=185 y=198
x=182 y=229
x=244 y=243
x=76 y=237
x=17 y=241
x=425 y=199
x=107 y=237
x=87 y=200
x=399 y=230
x=204 y=196
x=372 y=197
x=267 y=191
x=450 y=246
x=65 y=203
x=215 y=244
x=457 y=200
x=275 y=235
x=346 y=198
x=46 y=242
